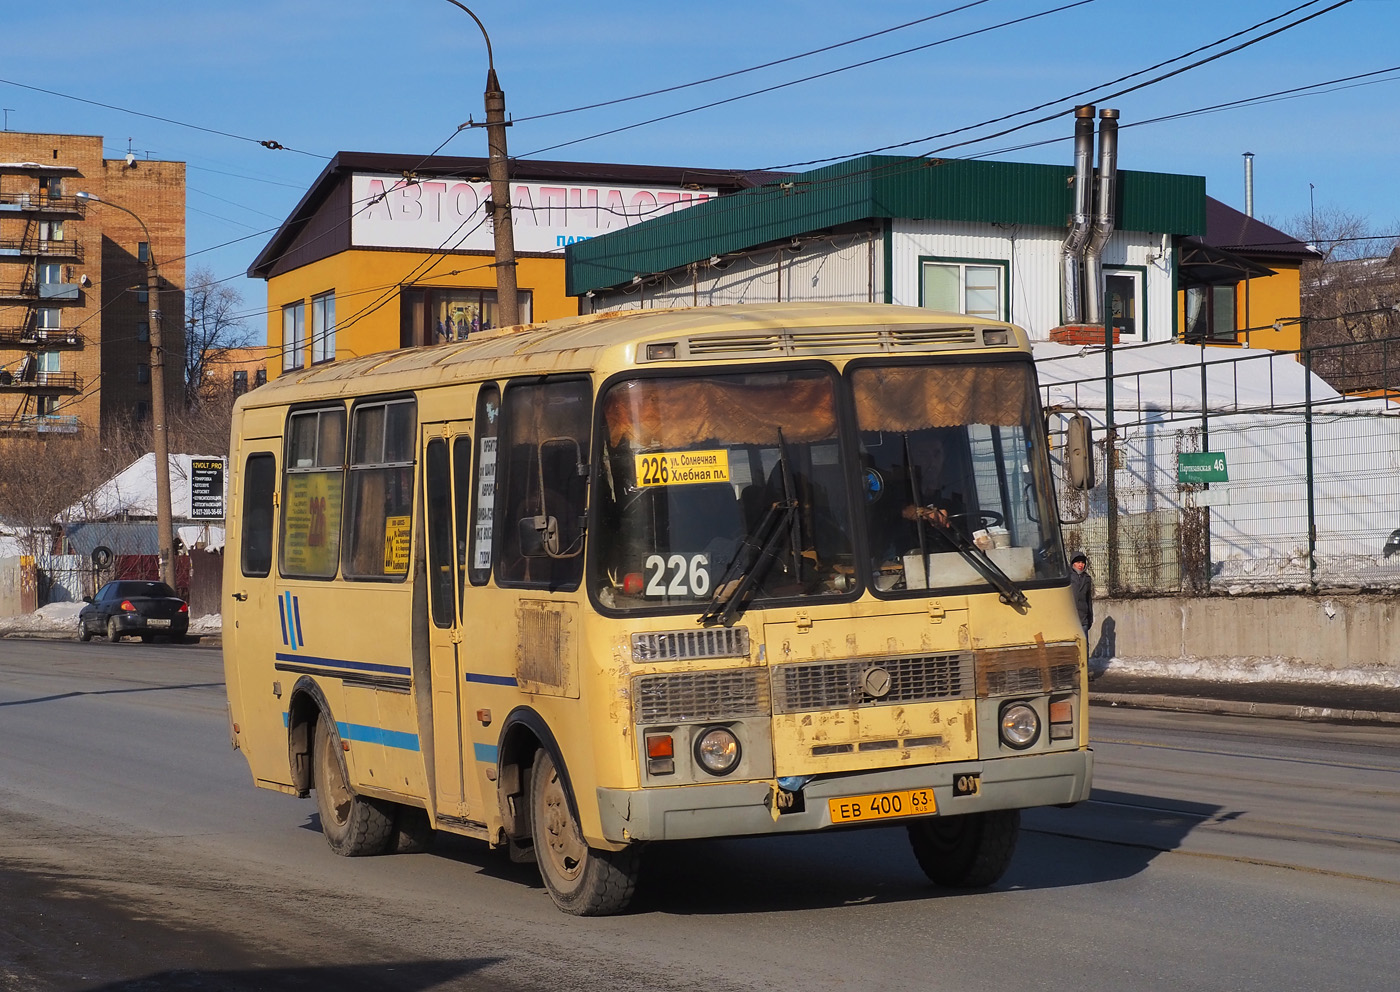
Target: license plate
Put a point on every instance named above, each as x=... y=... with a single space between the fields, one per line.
x=157 y=623
x=881 y=806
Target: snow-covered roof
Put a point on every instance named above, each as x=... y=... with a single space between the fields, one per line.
x=1167 y=378
x=132 y=492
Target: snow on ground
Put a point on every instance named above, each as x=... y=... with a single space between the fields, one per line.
x=62 y=618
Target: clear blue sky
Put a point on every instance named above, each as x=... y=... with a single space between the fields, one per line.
x=322 y=76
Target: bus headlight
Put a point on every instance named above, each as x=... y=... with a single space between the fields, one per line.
x=1020 y=725
x=717 y=751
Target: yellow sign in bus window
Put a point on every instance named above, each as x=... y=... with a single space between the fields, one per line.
x=396 y=531
x=682 y=468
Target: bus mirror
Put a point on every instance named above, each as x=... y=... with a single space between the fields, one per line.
x=539 y=536
x=1079 y=453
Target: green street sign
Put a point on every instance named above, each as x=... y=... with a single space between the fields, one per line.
x=1194 y=467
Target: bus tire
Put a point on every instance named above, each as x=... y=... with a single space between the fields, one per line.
x=413 y=833
x=581 y=880
x=971 y=851
x=355 y=826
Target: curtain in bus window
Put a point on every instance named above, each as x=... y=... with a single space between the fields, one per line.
x=661 y=413
x=899 y=398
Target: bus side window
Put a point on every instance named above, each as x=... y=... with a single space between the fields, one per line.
x=379 y=518
x=259 y=481
x=543 y=475
x=488 y=422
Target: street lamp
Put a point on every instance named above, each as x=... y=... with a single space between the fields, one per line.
x=158 y=425
x=507 y=304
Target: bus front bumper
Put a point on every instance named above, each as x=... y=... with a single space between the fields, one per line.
x=746 y=808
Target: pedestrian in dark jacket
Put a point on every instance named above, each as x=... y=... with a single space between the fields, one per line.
x=1081 y=586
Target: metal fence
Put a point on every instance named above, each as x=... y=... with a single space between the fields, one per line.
x=1300 y=492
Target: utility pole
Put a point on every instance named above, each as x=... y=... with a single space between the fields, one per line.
x=507 y=298
x=159 y=432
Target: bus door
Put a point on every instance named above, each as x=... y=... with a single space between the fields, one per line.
x=250 y=610
x=447 y=450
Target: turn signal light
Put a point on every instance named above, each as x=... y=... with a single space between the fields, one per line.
x=1061 y=719
x=661 y=754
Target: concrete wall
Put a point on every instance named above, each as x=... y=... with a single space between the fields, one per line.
x=1337 y=633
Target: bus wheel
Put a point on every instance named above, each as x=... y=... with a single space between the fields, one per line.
x=355 y=826
x=581 y=880
x=970 y=851
x=413 y=833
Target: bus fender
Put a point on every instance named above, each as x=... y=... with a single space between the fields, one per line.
x=305 y=707
x=522 y=733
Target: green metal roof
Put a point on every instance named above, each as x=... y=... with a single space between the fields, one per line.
x=877 y=186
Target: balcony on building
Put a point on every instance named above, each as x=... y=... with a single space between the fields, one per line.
x=29 y=290
x=34 y=247
x=25 y=379
x=41 y=423
x=25 y=203
x=24 y=331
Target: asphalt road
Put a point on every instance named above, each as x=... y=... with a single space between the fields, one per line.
x=1216 y=853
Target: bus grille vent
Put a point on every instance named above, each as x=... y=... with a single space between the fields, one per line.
x=855 y=683
x=693 y=697
x=829 y=341
x=691 y=645
x=1030 y=669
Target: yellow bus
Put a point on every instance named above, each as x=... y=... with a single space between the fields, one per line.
x=575 y=587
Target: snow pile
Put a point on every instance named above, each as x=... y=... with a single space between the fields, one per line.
x=1274 y=671
x=62 y=619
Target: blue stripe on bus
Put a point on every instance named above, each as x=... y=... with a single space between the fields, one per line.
x=491 y=679
x=282 y=615
x=357 y=666
x=377 y=735
x=485 y=752
x=296 y=611
x=374 y=735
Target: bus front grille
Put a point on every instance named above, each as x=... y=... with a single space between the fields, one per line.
x=861 y=682
x=693 y=697
x=691 y=645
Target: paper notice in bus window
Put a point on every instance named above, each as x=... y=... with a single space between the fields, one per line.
x=312 y=523
x=396 y=530
x=485 y=504
x=682 y=468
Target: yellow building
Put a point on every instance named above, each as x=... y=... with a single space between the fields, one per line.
x=1241 y=283
x=393 y=251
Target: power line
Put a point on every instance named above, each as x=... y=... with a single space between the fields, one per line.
x=807 y=79
x=752 y=68
x=266 y=143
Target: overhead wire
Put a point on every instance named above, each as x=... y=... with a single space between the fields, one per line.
x=807 y=79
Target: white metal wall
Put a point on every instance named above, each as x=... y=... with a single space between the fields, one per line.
x=841 y=268
x=1034 y=257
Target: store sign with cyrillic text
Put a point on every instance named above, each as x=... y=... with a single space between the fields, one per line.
x=450 y=214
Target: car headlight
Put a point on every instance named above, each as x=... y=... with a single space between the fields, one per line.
x=1020 y=725
x=717 y=751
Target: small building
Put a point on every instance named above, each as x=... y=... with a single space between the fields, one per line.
x=969 y=236
x=396 y=251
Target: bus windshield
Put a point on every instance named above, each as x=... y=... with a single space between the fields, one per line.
x=721 y=478
x=955 y=477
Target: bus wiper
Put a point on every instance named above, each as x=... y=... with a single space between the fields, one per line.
x=1011 y=593
x=749 y=565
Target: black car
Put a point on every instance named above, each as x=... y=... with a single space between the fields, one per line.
x=132 y=606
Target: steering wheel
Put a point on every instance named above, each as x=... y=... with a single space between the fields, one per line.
x=987 y=518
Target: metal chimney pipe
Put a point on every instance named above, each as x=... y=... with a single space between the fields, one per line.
x=1071 y=294
x=1103 y=218
x=1249 y=184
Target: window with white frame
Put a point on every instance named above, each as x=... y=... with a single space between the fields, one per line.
x=323 y=328
x=50 y=273
x=49 y=362
x=48 y=319
x=293 y=335
x=975 y=288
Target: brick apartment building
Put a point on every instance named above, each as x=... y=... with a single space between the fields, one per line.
x=74 y=313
